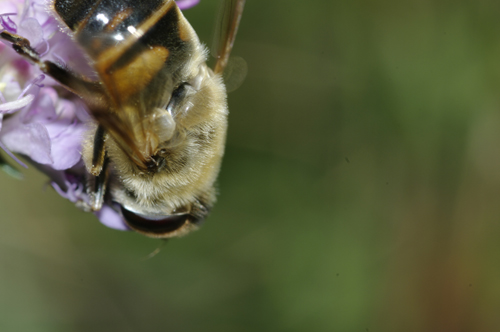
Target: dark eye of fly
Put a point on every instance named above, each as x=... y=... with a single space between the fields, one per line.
x=154 y=225
x=177 y=96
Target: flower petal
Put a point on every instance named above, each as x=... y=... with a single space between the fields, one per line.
x=110 y=218
x=66 y=145
x=31 y=140
x=42 y=110
x=32 y=30
x=9 y=87
x=8 y=8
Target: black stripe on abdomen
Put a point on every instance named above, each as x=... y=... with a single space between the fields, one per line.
x=73 y=12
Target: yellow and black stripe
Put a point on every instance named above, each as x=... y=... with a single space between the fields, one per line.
x=134 y=44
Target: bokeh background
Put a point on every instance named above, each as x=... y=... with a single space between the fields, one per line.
x=360 y=190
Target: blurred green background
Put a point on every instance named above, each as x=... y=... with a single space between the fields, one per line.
x=360 y=190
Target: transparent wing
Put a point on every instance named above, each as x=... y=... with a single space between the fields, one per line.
x=225 y=32
x=235 y=73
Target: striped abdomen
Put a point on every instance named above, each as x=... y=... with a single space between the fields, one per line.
x=137 y=46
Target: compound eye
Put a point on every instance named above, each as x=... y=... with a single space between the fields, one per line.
x=177 y=97
x=154 y=226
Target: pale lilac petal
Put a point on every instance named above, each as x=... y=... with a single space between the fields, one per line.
x=31 y=140
x=46 y=48
x=186 y=4
x=66 y=110
x=47 y=21
x=111 y=218
x=12 y=89
x=66 y=144
x=31 y=29
x=8 y=11
x=13 y=106
x=36 y=81
x=42 y=110
x=8 y=8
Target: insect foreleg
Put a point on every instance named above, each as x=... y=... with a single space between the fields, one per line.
x=22 y=46
x=99 y=153
x=97 y=186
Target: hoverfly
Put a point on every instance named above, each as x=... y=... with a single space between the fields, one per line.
x=160 y=112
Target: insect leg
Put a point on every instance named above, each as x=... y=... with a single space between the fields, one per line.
x=97 y=186
x=99 y=172
x=90 y=91
x=99 y=153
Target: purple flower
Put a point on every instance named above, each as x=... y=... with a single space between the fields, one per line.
x=38 y=119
